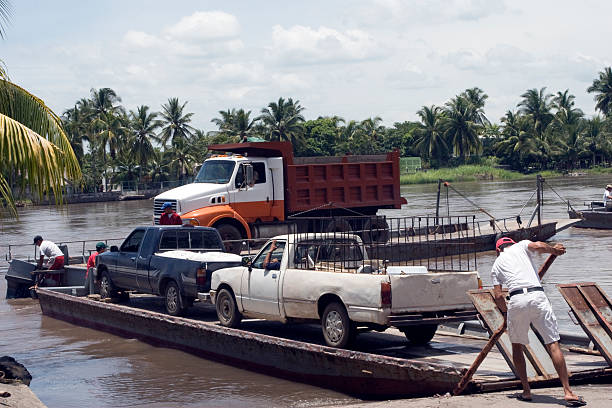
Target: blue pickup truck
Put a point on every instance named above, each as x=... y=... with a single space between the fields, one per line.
x=172 y=261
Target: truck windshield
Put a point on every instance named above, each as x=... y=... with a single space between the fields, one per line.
x=216 y=171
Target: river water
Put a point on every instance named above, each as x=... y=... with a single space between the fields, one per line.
x=74 y=366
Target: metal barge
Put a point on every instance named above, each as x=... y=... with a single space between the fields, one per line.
x=382 y=365
x=594 y=216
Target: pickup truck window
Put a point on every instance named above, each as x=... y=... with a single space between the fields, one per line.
x=277 y=255
x=189 y=240
x=341 y=251
x=132 y=242
x=215 y=171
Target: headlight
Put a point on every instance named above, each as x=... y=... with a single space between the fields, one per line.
x=192 y=221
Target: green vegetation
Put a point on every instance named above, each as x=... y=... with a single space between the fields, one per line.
x=34 y=149
x=469 y=172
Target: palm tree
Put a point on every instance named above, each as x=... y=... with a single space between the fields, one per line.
x=236 y=124
x=181 y=158
x=175 y=123
x=477 y=98
x=460 y=127
x=536 y=104
x=33 y=143
x=283 y=119
x=602 y=87
x=596 y=138
x=110 y=129
x=103 y=101
x=518 y=147
x=429 y=136
x=142 y=129
x=159 y=166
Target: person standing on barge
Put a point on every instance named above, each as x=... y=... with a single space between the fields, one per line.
x=169 y=216
x=607 y=197
x=91 y=264
x=514 y=268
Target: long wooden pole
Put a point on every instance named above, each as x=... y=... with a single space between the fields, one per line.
x=493 y=339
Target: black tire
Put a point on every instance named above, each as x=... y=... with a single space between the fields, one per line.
x=227 y=310
x=107 y=289
x=376 y=230
x=230 y=233
x=420 y=335
x=174 y=301
x=338 y=330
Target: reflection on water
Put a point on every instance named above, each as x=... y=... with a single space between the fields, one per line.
x=74 y=366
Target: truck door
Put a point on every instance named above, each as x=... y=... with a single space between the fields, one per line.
x=125 y=276
x=252 y=202
x=263 y=283
x=143 y=260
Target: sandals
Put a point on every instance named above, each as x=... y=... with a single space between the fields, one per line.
x=580 y=402
x=519 y=396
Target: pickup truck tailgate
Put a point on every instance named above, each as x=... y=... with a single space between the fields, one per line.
x=432 y=291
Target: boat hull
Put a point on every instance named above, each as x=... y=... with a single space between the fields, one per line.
x=592 y=218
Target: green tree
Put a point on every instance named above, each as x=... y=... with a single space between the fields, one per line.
x=175 y=124
x=236 y=124
x=284 y=120
x=536 y=105
x=142 y=130
x=602 y=88
x=429 y=136
x=461 y=127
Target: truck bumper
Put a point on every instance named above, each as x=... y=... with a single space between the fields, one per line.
x=204 y=297
x=418 y=319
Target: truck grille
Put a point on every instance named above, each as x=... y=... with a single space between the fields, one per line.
x=157 y=211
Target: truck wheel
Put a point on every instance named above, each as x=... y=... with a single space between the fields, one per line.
x=338 y=225
x=230 y=233
x=338 y=330
x=420 y=335
x=107 y=289
x=175 y=304
x=227 y=311
x=376 y=230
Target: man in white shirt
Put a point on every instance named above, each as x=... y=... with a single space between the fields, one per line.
x=515 y=268
x=607 y=197
x=55 y=255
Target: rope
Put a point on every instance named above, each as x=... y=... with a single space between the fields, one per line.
x=479 y=208
x=561 y=198
x=328 y=205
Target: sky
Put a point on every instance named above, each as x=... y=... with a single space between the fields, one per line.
x=355 y=59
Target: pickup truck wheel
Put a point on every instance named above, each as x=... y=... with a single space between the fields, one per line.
x=338 y=330
x=230 y=233
x=227 y=311
x=376 y=230
x=175 y=304
x=107 y=289
x=420 y=335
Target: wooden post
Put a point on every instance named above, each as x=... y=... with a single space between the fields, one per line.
x=438 y=201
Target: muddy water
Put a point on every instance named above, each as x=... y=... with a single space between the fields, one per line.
x=75 y=367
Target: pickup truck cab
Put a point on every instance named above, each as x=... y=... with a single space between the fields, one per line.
x=172 y=261
x=329 y=278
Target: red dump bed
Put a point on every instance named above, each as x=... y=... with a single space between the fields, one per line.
x=370 y=181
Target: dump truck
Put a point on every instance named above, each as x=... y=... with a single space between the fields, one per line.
x=259 y=190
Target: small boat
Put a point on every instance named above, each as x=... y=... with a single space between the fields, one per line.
x=594 y=216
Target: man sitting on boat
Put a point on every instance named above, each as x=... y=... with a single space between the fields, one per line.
x=607 y=197
x=55 y=255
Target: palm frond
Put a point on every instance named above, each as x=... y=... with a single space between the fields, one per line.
x=32 y=113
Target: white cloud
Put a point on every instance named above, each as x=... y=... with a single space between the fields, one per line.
x=204 y=26
x=434 y=11
x=139 y=39
x=305 y=45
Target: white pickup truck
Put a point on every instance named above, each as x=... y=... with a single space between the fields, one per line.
x=329 y=278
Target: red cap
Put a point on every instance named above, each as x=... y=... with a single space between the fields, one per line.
x=503 y=241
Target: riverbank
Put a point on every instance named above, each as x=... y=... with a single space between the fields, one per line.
x=470 y=172
x=595 y=395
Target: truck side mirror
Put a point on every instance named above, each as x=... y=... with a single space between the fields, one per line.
x=246 y=261
x=249 y=178
x=114 y=248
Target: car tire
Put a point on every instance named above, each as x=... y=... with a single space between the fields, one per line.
x=227 y=310
x=338 y=330
x=107 y=289
x=420 y=335
x=230 y=233
x=376 y=230
x=174 y=301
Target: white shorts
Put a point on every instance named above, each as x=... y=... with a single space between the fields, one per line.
x=531 y=308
